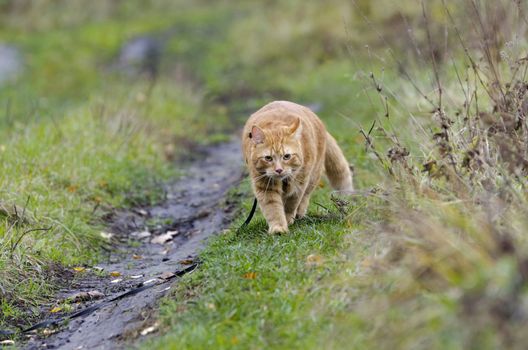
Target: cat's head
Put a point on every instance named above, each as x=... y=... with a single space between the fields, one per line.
x=277 y=151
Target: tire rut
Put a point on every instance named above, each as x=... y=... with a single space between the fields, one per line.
x=195 y=209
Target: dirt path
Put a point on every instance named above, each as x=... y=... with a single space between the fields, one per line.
x=196 y=208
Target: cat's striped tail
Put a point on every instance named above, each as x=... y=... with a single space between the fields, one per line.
x=336 y=166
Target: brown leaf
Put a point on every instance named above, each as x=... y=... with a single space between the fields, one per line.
x=187 y=261
x=250 y=275
x=314 y=260
x=167 y=275
x=85 y=296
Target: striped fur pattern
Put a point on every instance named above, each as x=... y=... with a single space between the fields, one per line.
x=287 y=148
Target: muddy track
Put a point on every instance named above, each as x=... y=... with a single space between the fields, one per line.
x=195 y=209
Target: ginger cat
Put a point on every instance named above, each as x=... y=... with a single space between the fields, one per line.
x=286 y=148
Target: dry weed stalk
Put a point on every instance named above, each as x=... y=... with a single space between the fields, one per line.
x=460 y=220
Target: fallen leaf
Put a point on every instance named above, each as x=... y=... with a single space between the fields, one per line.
x=162 y=239
x=56 y=309
x=79 y=269
x=72 y=188
x=250 y=275
x=115 y=273
x=210 y=306
x=135 y=277
x=187 y=261
x=150 y=281
x=137 y=257
x=48 y=331
x=95 y=294
x=142 y=234
x=106 y=235
x=85 y=296
x=149 y=330
x=167 y=275
x=368 y=263
x=314 y=260
x=7 y=342
x=117 y=280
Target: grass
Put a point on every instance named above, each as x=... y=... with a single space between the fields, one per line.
x=433 y=257
x=255 y=290
x=434 y=261
x=84 y=145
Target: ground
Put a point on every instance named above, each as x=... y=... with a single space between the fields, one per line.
x=92 y=139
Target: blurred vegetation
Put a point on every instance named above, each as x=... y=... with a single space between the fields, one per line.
x=431 y=254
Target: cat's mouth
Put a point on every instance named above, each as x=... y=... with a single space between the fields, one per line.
x=283 y=177
x=279 y=177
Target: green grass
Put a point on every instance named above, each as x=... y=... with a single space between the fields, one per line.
x=255 y=290
x=77 y=144
x=418 y=264
x=78 y=141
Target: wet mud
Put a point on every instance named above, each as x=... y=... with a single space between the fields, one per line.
x=152 y=243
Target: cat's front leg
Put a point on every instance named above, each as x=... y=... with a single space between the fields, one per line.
x=305 y=201
x=273 y=210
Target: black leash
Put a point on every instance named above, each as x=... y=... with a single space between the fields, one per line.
x=90 y=309
x=251 y=214
x=139 y=289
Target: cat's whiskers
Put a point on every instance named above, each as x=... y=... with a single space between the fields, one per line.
x=267 y=185
x=291 y=144
x=261 y=177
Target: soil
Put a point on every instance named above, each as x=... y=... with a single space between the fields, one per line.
x=197 y=206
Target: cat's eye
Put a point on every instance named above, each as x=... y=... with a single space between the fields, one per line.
x=287 y=156
x=268 y=158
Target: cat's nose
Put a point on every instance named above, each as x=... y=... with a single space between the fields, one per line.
x=278 y=170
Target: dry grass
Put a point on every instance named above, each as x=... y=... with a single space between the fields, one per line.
x=448 y=266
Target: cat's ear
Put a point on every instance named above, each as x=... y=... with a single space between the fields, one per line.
x=257 y=135
x=296 y=128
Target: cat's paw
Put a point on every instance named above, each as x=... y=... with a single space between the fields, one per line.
x=290 y=219
x=278 y=229
x=299 y=216
x=301 y=212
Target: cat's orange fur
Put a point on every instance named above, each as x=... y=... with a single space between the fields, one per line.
x=287 y=148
